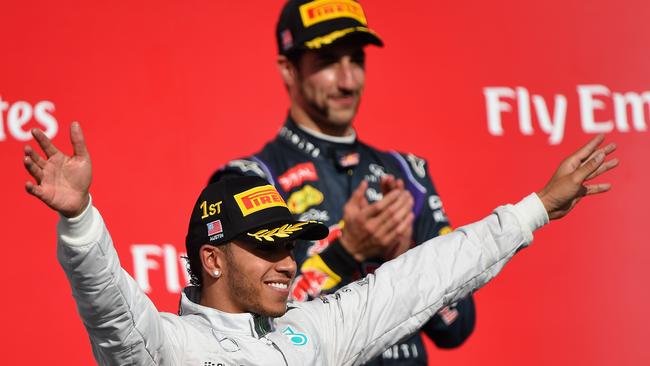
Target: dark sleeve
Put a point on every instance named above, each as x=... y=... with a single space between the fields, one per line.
x=462 y=319
x=340 y=261
x=452 y=325
x=324 y=272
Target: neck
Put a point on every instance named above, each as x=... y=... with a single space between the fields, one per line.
x=303 y=120
x=210 y=297
x=349 y=139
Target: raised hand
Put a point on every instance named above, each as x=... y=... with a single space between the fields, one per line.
x=567 y=186
x=62 y=181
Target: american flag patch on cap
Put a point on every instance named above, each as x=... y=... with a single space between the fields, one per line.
x=214 y=227
x=287 y=39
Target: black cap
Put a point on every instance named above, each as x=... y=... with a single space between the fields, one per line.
x=312 y=24
x=247 y=209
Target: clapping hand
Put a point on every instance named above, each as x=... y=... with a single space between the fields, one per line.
x=378 y=229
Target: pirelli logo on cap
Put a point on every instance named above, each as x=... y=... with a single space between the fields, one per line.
x=322 y=10
x=258 y=198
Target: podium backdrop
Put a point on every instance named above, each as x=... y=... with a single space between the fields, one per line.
x=493 y=93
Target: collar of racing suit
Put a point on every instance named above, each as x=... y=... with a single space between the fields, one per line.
x=334 y=139
x=315 y=144
x=246 y=324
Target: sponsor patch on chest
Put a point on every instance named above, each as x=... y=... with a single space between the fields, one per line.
x=303 y=199
x=297 y=175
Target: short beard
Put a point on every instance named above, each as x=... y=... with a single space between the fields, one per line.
x=246 y=293
x=321 y=114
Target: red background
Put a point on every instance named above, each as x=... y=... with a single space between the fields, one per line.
x=168 y=91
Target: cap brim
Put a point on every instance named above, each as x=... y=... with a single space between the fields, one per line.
x=358 y=34
x=283 y=231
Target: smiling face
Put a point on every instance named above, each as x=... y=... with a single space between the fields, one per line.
x=325 y=87
x=258 y=278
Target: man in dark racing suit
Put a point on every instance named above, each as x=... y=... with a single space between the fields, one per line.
x=377 y=204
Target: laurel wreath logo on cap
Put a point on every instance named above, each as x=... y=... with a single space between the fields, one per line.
x=280 y=232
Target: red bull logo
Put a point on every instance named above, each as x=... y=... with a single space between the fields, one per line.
x=320 y=245
x=309 y=283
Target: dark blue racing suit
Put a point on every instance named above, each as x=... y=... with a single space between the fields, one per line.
x=316 y=176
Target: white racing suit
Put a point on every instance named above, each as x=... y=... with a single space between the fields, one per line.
x=348 y=327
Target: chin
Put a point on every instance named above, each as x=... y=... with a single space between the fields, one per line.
x=274 y=312
x=340 y=119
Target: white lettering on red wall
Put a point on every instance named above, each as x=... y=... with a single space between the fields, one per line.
x=620 y=111
x=14 y=116
x=156 y=260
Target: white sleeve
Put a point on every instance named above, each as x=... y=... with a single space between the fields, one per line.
x=361 y=320
x=123 y=324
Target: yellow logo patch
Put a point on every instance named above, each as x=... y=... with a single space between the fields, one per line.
x=445 y=230
x=301 y=200
x=322 y=10
x=258 y=198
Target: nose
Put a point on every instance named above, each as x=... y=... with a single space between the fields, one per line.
x=286 y=264
x=347 y=78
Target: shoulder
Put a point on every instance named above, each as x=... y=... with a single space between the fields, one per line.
x=412 y=164
x=258 y=165
x=246 y=166
x=408 y=163
x=413 y=169
x=271 y=160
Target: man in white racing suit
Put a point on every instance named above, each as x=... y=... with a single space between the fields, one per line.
x=243 y=234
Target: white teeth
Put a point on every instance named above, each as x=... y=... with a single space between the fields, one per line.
x=278 y=285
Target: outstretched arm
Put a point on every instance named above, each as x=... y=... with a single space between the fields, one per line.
x=453 y=324
x=365 y=317
x=123 y=324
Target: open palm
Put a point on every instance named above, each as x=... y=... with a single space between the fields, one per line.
x=569 y=183
x=62 y=181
